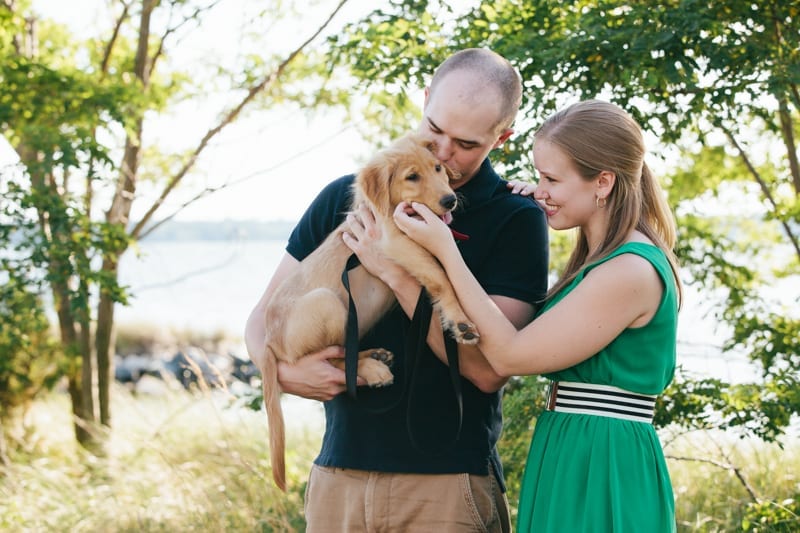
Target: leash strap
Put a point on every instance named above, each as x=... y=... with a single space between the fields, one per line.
x=416 y=343
x=351 y=332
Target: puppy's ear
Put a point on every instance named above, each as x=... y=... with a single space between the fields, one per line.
x=374 y=180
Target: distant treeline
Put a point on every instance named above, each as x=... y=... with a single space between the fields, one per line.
x=226 y=230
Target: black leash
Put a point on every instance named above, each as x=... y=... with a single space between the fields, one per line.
x=416 y=343
x=351 y=332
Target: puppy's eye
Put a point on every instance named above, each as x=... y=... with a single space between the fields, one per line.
x=438 y=168
x=412 y=177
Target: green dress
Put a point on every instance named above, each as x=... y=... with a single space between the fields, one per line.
x=595 y=473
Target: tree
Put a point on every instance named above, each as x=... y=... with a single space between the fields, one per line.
x=78 y=113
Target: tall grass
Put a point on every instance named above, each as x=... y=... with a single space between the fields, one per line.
x=189 y=462
x=716 y=477
x=179 y=462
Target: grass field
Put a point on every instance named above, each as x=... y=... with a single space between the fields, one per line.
x=184 y=462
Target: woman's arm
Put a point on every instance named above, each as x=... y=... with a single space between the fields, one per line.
x=619 y=293
x=364 y=232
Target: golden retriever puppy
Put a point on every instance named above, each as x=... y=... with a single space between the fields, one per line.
x=308 y=311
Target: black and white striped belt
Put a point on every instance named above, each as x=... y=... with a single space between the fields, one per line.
x=600 y=400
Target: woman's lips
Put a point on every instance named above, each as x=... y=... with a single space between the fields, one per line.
x=549 y=210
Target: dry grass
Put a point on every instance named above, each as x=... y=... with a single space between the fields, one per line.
x=715 y=476
x=184 y=462
x=180 y=462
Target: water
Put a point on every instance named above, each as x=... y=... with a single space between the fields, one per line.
x=213 y=285
x=206 y=286
x=198 y=285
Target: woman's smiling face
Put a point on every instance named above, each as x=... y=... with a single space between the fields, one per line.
x=567 y=198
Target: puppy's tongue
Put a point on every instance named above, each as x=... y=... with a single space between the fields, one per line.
x=448 y=218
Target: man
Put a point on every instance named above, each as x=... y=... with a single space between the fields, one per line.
x=395 y=459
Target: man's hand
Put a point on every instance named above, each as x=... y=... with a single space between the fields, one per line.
x=525 y=188
x=363 y=238
x=313 y=376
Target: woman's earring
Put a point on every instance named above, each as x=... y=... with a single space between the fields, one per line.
x=600 y=202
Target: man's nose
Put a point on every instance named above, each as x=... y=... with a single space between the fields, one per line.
x=444 y=150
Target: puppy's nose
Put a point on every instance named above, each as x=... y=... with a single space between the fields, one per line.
x=448 y=202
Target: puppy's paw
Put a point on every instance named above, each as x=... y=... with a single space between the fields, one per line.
x=384 y=356
x=375 y=372
x=463 y=331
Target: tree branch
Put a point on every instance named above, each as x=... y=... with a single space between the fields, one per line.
x=788 y=140
x=781 y=43
x=113 y=40
x=126 y=183
x=226 y=120
x=170 y=30
x=762 y=184
x=210 y=190
x=725 y=466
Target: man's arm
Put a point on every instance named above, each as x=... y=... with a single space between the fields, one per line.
x=311 y=376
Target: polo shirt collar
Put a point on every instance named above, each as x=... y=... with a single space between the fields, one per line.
x=481 y=187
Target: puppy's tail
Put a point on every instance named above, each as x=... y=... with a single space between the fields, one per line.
x=272 y=404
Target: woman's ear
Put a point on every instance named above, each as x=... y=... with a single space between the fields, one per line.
x=605 y=183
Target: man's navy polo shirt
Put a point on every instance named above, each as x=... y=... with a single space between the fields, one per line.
x=507 y=250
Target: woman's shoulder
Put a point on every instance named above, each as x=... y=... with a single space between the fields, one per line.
x=632 y=262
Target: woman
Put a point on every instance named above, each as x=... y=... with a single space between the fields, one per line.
x=605 y=336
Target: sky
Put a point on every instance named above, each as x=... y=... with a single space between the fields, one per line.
x=273 y=165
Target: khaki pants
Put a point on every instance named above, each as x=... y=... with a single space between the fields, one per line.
x=355 y=501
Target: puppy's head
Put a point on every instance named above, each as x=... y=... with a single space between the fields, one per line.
x=407 y=171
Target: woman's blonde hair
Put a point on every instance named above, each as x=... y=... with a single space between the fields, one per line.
x=600 y=136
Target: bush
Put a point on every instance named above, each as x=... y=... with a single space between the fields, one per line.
x=29 y=354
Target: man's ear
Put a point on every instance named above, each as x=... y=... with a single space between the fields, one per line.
x=605 y=183
x=502 y=138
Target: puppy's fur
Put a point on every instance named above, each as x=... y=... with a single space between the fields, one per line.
x=308 y=311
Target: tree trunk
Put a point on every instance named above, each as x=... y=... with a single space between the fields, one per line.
x=87 y=368
x=118 y=213
x=787 y=130
x=4 y=460
x=82 y=407
x=103 y=344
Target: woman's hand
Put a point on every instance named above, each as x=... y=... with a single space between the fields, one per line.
x=524 y=188
x=425 y=227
